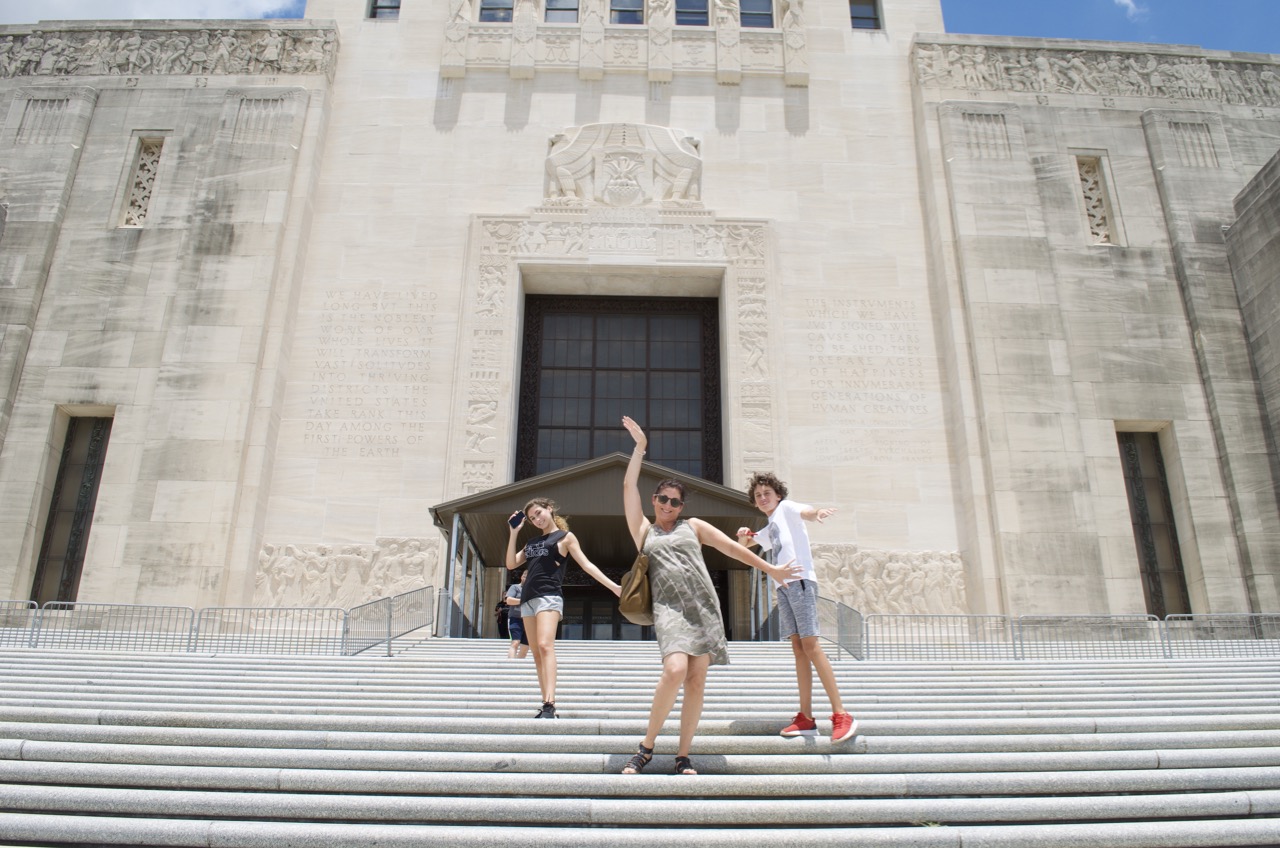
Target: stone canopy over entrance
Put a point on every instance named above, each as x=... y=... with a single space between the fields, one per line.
x=589 y=495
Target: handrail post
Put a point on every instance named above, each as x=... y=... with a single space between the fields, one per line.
x=390 y=603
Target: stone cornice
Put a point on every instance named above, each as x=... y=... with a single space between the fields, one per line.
x=193 y=48
x=1043 y=67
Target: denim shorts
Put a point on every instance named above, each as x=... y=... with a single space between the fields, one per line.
x=516 y=628
x=798 y=609
x=533 y=606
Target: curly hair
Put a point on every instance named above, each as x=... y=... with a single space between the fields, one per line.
x=550 y=506
x=767 y=478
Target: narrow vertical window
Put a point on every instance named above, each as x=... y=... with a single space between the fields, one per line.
x=562 y=11
x=757 y=13
x=384 y=9
x=496 y=11
x=1097 y=205
x=142 y=181
x=864 y=14
x=626 y=11
x=692 y=13
x=75 y=493
x=1151 y=509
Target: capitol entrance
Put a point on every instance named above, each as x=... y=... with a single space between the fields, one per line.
x=589 y=495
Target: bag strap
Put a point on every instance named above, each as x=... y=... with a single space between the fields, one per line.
x=643 y=539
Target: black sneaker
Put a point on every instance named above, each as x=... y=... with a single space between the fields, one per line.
x=548 y=711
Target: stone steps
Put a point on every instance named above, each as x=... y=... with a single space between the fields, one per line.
x=436 y=746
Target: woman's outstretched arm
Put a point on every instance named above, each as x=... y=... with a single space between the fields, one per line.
x=632 y=506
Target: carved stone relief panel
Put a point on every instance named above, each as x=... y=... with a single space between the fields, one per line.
x=621 y=196
x=1188 y=139
x=623 y=165
x=177 y=48
x=49 y=115
x=728 y=41
x=1114 y=73
x=892 y=582
x=342 y=576
x=981 y=130
x=527 y=44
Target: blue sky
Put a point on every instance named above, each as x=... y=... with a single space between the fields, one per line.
x=1248 y=25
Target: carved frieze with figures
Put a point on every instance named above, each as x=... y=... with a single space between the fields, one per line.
x=342 y=576
x=893 y=582
x=176 y=49
x=1110 y=73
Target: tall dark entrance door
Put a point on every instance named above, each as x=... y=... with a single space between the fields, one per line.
x=591 y=613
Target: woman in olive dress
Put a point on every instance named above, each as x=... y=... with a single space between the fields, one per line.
x=686 y=613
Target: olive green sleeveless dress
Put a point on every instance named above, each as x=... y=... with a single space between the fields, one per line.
x=686 y=613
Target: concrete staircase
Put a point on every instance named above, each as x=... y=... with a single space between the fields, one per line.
x=436 y=746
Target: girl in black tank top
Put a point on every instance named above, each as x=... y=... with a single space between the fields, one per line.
x=542 y=601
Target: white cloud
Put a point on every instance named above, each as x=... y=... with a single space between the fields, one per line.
x=14 y=12
x=1132 y=10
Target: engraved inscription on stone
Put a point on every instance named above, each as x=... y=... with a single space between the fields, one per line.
x=370 y=380
x=866 y=359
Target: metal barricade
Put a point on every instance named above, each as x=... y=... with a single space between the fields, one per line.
x=17 y=623
x=841 y=625
x=113 y=627
x=939 y=638
x=1066 y=637
x=1223 y=635
x=283 y=630
x=386 y=619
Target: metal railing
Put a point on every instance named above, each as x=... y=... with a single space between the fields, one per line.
x=234 y=630
x=939 y=637
x=282 y=630
x=16 y=621
x=1223 y=635
x=385 y=619
x=880 y=636
x=1068 y=637
x=113 y=627
x=841 y=625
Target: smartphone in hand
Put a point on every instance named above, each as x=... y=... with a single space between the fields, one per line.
x=516 y=519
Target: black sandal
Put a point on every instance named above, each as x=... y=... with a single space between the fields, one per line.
x=685 y=766
x=639 y=761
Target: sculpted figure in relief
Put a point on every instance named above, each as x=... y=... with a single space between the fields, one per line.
x=623 y=165
x=902 y=582
x=726 y=13
x=985 y=68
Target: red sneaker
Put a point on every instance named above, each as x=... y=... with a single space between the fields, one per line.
x=843 y=726
x=801 y=726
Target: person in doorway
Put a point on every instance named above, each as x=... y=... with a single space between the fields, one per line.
x=686 y=613
x=785 y=538
x=519 y=639
x=542 y=598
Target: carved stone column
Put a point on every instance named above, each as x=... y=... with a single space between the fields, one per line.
x=524 y=39
x=728 y=42
x=660 y=41
x=795 y=50
x=453 y=61
x=591 y=45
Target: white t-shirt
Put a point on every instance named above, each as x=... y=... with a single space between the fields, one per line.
x=787 y=538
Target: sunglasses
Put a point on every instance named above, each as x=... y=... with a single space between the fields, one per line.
x=675 y=502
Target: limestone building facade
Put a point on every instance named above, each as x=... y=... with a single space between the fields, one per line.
x=270 y=291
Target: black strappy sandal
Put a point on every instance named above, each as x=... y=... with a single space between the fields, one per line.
x=685 y=766
x=641 y=759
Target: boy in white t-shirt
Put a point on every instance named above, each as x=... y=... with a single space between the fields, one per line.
x=786 y=538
